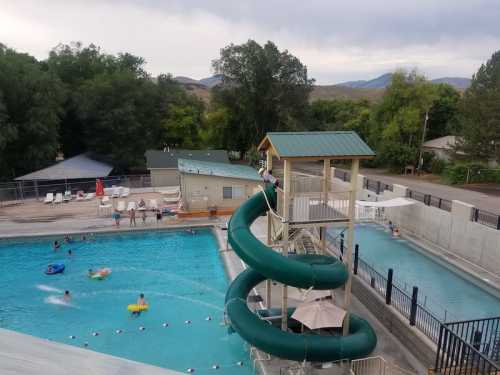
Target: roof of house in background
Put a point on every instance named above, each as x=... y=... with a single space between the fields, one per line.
x=446 y=143
x=168 y=159
x=218 y=169
x=80 y=166
x=334 y=144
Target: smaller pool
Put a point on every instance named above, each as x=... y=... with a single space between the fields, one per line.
x=445 y=289
x=180 y=274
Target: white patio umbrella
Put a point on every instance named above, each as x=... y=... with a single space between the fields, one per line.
x=306 y=295
x=319 y=314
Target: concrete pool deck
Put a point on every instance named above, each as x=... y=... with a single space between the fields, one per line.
x=22 y=354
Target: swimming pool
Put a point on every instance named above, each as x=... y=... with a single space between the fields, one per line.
x=445 y=289
x=180 y=274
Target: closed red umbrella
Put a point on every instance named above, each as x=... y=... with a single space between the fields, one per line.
x=99 y=188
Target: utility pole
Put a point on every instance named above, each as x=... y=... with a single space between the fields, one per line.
x=420 y=156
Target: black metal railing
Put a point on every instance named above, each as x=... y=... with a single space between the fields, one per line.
x=342 y=175
x=394 y=295
x=482 y=334
x=486 y=218
x=455 y=355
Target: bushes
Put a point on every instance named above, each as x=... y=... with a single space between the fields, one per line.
x=470 y=173
x=437 y=166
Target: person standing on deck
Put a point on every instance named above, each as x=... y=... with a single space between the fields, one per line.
x=132 y=217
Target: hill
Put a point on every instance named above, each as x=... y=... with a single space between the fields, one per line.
x=381 y=82
x=329 y=92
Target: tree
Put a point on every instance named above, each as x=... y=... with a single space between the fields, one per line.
x=30 y=106
x=263 y=89
x=340 y=114
x=397 y=122
x=481 y=112
x=444 y=112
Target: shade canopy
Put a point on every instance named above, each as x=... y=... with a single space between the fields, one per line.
x=396 y=202
x=80 y=166
x=319 y=314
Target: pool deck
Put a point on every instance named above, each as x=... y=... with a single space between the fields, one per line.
x=388 y=346
x=39 y=356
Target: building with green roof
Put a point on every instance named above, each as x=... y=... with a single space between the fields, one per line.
x=206 y=184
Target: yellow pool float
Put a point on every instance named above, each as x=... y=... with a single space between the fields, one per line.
x=137 y=308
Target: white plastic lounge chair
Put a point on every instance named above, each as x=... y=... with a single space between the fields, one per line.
x=173 y=195
x=67 y=196
x=131 y=206
x=89 y=196
x=105 y=209
x=80 y=195
x=153 y=204
x=171 y=190
x=121 y=206
x=117 y=190
x=59 y=198
x=125 y=192
x=105 y=200
x=49 y=198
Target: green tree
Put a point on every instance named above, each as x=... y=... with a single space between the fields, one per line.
x=30 y=105
x=397 y=122
x=340 y=114
x=264 y=89
x=481 y=112
x=444 y=112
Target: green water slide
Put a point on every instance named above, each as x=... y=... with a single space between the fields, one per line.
x=301 y=271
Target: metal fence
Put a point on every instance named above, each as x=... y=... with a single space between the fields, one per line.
x=377 y=186
x=486 y=218
x=482 y=334
x=395 y=295
x=429 y=200
x=457 y=354
x=21 y=190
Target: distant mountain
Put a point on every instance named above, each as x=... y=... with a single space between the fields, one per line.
x=377 y=83
x=211 y=81
x=186 y=80
x=330 y=92
x=208 y=82
x=384 y=80
x=459 y=83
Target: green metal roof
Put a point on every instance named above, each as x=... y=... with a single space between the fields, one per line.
x=317 y=144
x=208 y=168
x=159 y=159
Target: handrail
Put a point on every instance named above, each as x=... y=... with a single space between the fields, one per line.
x=271 y=210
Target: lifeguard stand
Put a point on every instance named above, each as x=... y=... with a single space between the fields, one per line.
x=306 y=201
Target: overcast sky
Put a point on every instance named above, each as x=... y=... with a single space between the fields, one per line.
x=337 y=40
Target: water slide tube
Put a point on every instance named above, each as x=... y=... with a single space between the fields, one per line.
x=301 y=271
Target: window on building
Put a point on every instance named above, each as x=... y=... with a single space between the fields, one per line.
x=233 y=192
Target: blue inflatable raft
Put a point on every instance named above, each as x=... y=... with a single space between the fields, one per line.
x=52 y=269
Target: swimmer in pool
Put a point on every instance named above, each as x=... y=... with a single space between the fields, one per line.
x=66 y=296
x=49 y=268
x=141 y=301
x=70 y=253
x=56 y=245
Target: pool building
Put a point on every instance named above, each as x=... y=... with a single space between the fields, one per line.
x=302 y=278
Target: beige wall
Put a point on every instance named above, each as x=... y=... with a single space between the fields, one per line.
x=164 y=177
x=200 y=192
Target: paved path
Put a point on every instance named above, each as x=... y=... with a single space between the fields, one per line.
x=482 y=201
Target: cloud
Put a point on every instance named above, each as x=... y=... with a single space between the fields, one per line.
x=337 y=40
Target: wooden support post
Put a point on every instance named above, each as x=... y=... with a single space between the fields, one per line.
x=286 y=210
x=350 y=240
x=269 y=284
x=269 y=160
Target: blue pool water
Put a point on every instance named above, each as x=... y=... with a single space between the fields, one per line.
x=180 y=274
x=445 y=290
